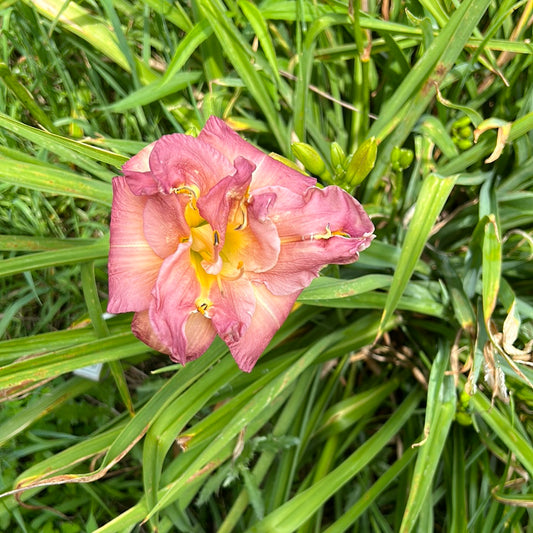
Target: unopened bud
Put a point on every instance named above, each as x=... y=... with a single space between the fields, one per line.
x=338 y=157
x=361 y=162
x=311 y=159
x=395 y=155
x=464 y=144
x=465 y=132
x=461 y=122
x=406 y=158
x=285 y=161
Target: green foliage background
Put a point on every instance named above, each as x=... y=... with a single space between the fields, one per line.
x=398 y=395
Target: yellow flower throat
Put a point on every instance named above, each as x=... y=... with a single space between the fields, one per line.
x=210 y=264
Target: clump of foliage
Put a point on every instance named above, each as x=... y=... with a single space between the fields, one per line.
x=398 y=394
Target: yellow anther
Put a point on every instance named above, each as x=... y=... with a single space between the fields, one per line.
x=203 y=305
x=191 y=190
x=328 y=234
x=244 y=221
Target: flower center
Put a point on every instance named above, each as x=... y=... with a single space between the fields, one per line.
x=211 y=263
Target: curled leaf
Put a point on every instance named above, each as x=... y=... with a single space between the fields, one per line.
x=504 y=129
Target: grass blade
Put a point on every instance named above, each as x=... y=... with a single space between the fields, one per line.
x=430 y=201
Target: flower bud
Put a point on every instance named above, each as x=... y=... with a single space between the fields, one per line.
x=362 y=162
x=311 y=159
x=406 y=158
x=286 y=161
x=461 y=122
x=465 y=132
x=395 y=155
x=464 y=144
x=338 y=157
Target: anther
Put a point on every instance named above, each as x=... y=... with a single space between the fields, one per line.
x=203 y=305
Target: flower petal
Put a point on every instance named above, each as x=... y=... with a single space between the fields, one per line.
x=133 y=266
x=270 y=313
x=256 y=245
x=317 y=210
x=322 y=227
x=232 y=309
x=179 y=160
x=224 y=199
x=143 y=330
x=268 y=171
x=199 y=333
x=173 y=312
x=137 y=172
x=164 y=223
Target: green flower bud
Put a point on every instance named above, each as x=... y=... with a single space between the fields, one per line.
x=311 y=159
x=193 y=131
x=465 y=132
x=464 y=144
x=338 y=173
x=286 y=161
x=395 y=155
x=464 y=399
x=406 y=158
x=461 y=122
x=338 y=157
x=463 y=418
x=361 y=162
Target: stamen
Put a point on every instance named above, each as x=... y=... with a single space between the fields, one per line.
x=216 y=238
x=203 y=305
x=327 y=234
x=186 y=189
x=244 y=222
x=192 y=216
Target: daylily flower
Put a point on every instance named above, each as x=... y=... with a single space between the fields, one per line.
x=209 y=236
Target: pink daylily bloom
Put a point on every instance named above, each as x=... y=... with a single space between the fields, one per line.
x=210 y=236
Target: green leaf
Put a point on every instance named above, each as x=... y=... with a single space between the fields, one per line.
x=439 y=416
x=298 y=510
x=90 y=28
x=410 y=100
x=430 y=201
x=46 y=404
x=67 y=256
x=54 y=181
x=509 y=431
x=324 y=288
x=26 y=98
x=258 y=23
x=239 y=54
x=492 y=267
x=57 y=362
x=70 y=150
x=156 y=90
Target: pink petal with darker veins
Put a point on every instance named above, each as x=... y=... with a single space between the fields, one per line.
x=268 y=171
x=173 y=312
x=179 y=160
x=307 y=226
x=299 y=263
x=164 y=223
x=137 y=172
x=223 y=198
x=256 y=246
x=143 y=330
x=270 y=313
x=233 y=308
x=313 y=212
x=133 y=266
